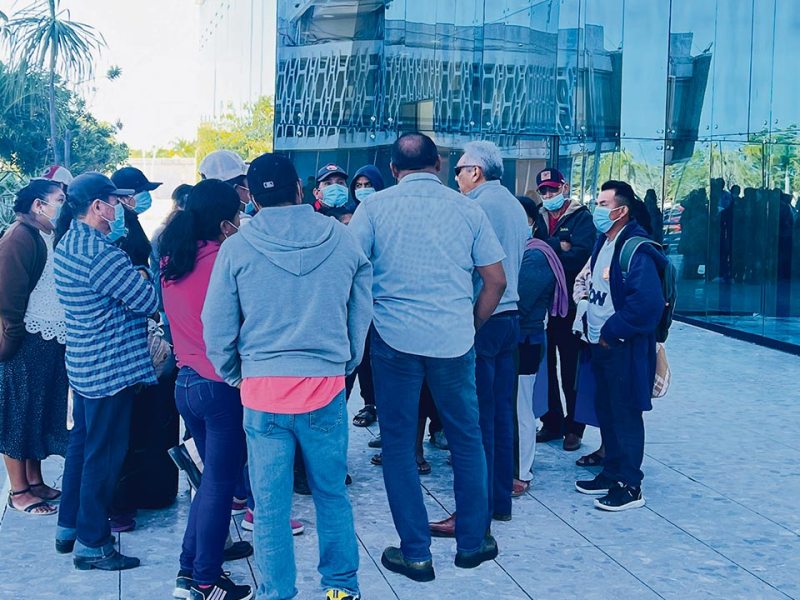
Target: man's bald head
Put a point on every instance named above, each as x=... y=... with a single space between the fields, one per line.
x=414 y=152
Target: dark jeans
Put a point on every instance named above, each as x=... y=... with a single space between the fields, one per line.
x=364 y=373
x=97 y=446
x=495 y=377
x=213 y=411
x=621 y=422
x=398 y=381
x=561 y=340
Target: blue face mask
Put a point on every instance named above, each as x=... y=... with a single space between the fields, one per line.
x=250 y=209
x=54 y=219
x=334 y=195
x=364 y=193
x=143 y=201
x=553 y=204
x=117 y=224
x=602 y=218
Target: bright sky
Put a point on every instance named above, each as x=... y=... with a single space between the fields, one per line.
x=155 y=42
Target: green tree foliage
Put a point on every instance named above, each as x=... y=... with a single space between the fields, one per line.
x=247 y=132
x=24 y=129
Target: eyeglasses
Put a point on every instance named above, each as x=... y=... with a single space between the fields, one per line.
x=460 y=168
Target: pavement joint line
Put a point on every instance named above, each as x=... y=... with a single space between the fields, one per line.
x=708 y=487
x=377 y=566
x=611 y=558
x=730 y=560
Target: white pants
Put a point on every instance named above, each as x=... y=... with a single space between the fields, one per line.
x=526 y=427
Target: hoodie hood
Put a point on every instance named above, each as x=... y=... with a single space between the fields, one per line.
x=293 y=238
x=372 y=173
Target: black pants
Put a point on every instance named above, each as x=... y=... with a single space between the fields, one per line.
x=364 y=373
x=620 y=418
x=561 y=339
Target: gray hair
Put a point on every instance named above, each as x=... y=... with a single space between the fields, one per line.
x=485 y=155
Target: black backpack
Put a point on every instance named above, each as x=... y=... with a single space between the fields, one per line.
x=668 y=276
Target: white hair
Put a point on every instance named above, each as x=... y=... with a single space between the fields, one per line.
x=485 y=155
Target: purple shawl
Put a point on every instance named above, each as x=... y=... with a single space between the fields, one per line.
x=560 y=298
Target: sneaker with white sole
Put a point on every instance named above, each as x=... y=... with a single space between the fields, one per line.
x=334 y=594
x=183 y=584
x=223 y=589
x=620 y=497
x=238 y=506
x=248 y=523
x=599 y=486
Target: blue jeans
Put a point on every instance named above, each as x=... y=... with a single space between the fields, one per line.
x=212 y=411
x=620 y=418
x=97 y=446
x=398 y=381
x=496 y=377
x=322 y=436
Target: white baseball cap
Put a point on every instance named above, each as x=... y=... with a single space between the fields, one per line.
x=224 y=165
x=58 y=174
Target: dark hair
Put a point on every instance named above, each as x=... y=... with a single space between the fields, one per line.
x=74 y=208
x=414 y=152
x=638 y=210
x=238 y=180
x=623 y=192
x=37 y=189
x=181 y=194
x=210 y=203
x=136 y=244
x=286 y=194
x=531 y=208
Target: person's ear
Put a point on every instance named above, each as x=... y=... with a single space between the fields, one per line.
x=438 y=166
x=394 y=171
x=566 y=190
x=317 y=194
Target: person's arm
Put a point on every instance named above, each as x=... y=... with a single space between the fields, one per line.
x=581 y=288
x=222 y=319
x=583 y=235
x=112 y=274
x=644 y=302
x=359 y=313
x=15 y=275
x=494 y=284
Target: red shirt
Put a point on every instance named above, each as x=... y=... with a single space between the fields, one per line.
x=290 y=395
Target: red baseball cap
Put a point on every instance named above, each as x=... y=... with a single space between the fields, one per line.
x=550 y=177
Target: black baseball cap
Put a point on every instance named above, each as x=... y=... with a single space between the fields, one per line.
x=331 y=169
x=133 y=179
x=550 y=177
x=90 y=186
x=271 y=173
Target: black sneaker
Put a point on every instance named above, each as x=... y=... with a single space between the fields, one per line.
x=599 y=486
x=545 y=435
x=620 y=497
x=113 y=562
x=470 y=560
x=237 y=551
x=393 y=559
x=223 y=589
x=183 y=584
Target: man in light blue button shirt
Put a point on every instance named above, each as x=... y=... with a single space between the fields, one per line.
x=425 y=242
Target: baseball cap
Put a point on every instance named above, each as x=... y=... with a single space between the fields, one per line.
x=330 y=169
x=550 y=177
x=89 y=186
x=58 y=174
x=270 y=173
x=224 y=165
x=133 y=179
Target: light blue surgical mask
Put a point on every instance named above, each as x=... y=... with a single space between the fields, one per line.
x=334 y=195
x=250 y=209
x=602 y=218
x=117 y=224
x=530 y=231
x=553 y=204
x=143 y=201
x=54 y=219
x=364 y=193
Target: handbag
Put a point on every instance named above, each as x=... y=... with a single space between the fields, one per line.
x=663 y=372
x=160 y=350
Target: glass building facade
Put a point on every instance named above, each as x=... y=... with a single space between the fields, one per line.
x=695 y=103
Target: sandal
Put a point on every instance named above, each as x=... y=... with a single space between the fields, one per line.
x=56 y=496
x=377 y=459
x=31 y=509
x=423 y=466
x=366 y=416
x=595 y=459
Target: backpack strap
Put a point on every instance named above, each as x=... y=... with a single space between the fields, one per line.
x=629 y=248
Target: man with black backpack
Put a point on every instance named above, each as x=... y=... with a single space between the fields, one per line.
x=627 y=309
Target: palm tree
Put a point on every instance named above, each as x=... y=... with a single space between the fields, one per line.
x=41 y=37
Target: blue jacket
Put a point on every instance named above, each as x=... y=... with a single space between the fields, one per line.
x=638 y=305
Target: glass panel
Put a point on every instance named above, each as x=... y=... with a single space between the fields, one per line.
x=761 y=78
x=786 y=83
x=644 y=71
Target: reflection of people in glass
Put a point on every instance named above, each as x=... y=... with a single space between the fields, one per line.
x=694 y=234
x=785 y=236
x=656 y=219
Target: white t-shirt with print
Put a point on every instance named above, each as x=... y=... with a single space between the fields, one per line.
x=601 y=306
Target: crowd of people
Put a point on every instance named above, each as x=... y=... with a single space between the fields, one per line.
x=253 y=312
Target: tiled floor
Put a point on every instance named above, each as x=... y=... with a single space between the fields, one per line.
x=721 y=520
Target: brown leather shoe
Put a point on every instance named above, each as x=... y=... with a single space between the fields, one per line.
x=572 y=442
x=445 y=529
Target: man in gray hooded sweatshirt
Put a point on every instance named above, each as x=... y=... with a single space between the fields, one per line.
x=285 y=319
